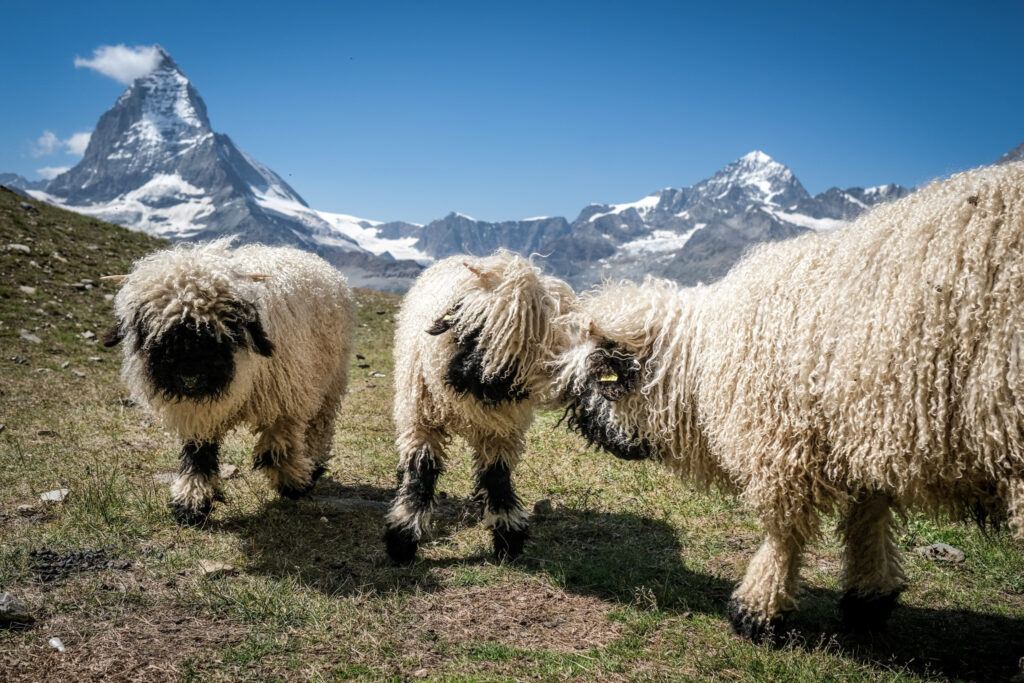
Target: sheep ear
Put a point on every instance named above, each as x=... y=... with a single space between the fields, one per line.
x=258 y=340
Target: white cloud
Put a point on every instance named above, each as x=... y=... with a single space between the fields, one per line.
x=77 y=143
x=122 y=63
x=51 y=172
x=48 y=143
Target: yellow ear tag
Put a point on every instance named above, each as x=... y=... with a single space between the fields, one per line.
x=446 y=317
x=609 y=378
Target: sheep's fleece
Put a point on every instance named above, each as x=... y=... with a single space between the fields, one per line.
x=288 y=319
x=876 y=368
x=474 y=339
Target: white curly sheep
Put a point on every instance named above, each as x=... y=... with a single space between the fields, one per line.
x=473 y=340
x=215 y=337
x=877 y=368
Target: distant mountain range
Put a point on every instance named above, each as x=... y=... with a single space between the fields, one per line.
x=155 y=164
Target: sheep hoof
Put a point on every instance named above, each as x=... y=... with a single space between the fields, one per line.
x=866 y=612
x=508 y=543
x=401 y=544
x=318 y=472
x=295 y=492
x=186 y=515
x=757 y=627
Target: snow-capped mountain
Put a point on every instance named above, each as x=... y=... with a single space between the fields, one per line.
x=690 y=234
x=155 y=164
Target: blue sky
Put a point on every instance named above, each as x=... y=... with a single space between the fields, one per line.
x=409 y=110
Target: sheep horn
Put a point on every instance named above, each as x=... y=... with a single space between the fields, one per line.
x=114 y=278
x=473 y=269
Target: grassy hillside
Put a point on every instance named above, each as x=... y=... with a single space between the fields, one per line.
x=626 y=579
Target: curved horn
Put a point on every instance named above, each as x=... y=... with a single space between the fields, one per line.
x=473 y=269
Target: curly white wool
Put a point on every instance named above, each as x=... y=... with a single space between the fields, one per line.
x=828 y=370
x=306 y=309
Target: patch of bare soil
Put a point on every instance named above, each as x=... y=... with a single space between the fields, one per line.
x=523 y=616
x=138 y=647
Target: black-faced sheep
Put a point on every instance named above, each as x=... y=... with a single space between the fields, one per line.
x=215 y=337
x=877 y=368
x=473 y=340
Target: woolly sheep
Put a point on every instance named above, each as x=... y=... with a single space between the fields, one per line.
x=215 y=337
x=473 y=339
x=877 y=368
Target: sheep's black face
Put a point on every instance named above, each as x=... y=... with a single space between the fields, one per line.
x=611 y=373
x=190 y=362
x=466 y=374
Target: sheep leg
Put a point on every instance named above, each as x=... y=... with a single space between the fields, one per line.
x=768 y=590
x=198 y=483
x=503 y=510
x=409 y=516
x=320 y=434
x=281 y=454
x=872 y=570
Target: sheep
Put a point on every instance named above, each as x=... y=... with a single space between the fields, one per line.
x=872 y=370
x=473 y=339
x=215 y=337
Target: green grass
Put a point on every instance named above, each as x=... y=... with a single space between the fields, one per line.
x=626 y=579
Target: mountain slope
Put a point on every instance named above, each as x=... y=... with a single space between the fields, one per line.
x=155 y=164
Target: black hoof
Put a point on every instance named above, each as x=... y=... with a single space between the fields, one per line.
x=401 y=544
x=295 y=492
x=318 y=472
x=866 y=612
x=508 y=543
x=754 y=626
x=190 y=516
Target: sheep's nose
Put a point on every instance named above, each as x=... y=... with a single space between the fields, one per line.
x=189 y=381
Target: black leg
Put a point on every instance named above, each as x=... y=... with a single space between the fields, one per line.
x=193 y=492
x=503 y=510
x=410 y=511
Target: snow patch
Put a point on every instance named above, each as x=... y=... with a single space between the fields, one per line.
x=642 y=207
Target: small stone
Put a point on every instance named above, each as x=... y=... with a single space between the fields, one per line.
x=13 y=611
x=28 y=207
x=377 y=374
x=360 y=356
x=108 y=297
x=26 y=510
x=27 y=290
x=420 y=673
x=228 y=471
x=55 y=496
x=165 y=477
x=941 y=552
x=58 y=257
x=65 y=365
x=324 y=520
x=18 y=360
x=213 y=569
x=19 y=247
x=88 y=334
x=78 y=373
x=56 y=644
x=543 y=507
x=29 y=337
x=95 y=359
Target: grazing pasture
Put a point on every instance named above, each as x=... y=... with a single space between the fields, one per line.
x=626 y=578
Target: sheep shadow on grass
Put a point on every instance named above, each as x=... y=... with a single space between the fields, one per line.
x=619 y=557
